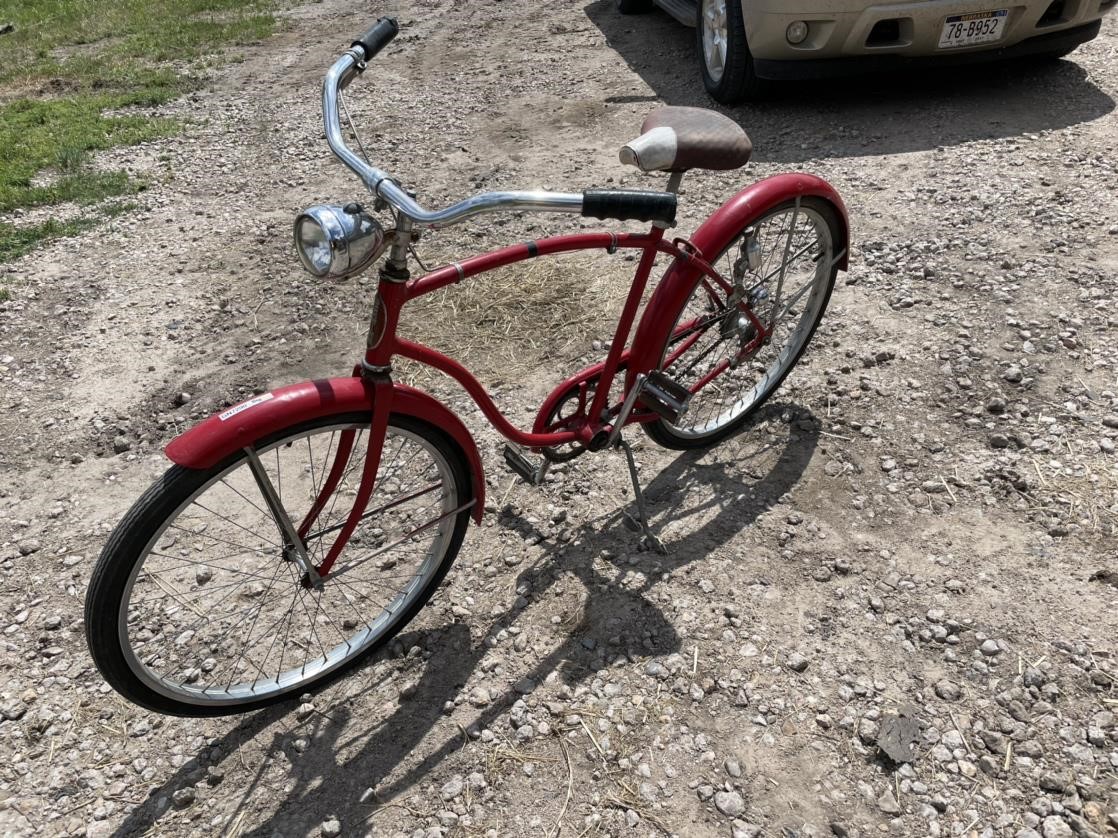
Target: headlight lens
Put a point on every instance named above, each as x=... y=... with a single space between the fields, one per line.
x=337 y=242
x=313 y=245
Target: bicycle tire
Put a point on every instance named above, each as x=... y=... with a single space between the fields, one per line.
x=722 y=426
x=139 y=533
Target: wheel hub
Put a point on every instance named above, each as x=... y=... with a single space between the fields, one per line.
x=715 y=37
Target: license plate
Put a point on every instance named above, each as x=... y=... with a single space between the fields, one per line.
x=976 y=28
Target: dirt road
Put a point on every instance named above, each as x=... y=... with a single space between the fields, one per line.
x=923 y=526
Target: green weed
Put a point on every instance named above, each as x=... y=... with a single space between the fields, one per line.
x=16 y=241
x=69 y=72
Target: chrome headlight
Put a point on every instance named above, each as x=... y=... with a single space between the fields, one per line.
x=336 y=242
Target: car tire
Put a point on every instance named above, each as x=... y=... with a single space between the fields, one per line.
x=634 y=7
x=736 y=80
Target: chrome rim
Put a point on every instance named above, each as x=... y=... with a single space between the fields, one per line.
x=716 y=35
x=789 y=287
x=214 y=614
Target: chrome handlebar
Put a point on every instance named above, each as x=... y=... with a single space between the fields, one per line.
x=380 y=183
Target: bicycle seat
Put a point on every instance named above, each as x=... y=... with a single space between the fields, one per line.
x=676 y=139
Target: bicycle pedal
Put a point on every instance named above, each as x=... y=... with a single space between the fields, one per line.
x=665 y=396
x=529 y=472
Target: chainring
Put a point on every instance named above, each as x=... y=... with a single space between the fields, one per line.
x=570 y=411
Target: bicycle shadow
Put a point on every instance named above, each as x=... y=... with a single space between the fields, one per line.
x=881 y=114
x=322 y=783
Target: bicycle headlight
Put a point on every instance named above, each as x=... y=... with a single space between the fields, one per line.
x=337 y=242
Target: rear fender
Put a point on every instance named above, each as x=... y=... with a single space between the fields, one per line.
x=223 y=434
x=712 y=238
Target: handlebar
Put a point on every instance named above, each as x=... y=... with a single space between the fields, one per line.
x=381 y=184
x=378 y=37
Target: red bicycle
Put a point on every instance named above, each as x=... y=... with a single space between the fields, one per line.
x=300 y=530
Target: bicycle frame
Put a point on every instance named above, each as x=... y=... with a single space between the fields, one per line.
x=393 y=297
x=371 y=387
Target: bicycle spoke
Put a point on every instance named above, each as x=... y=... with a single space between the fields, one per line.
x=235 y=524
x=383 y=606
x=380 y=509
x=224 y=541
x=314 y=631
x=776 y=271
x=202 y=593
x=248 y=634
x=209 y=564
x=791 y=302
x=387 y=547
x=247 y=500
x=279 y=477
x=310 y=460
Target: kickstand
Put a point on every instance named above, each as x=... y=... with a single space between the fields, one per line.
x=642 y=525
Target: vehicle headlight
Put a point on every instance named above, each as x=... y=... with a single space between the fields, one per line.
x=337 y=242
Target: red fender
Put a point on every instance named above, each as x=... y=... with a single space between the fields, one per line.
x=710 y=240
x=225 y=433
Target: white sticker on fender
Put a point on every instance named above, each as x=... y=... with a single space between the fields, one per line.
x=243 y=406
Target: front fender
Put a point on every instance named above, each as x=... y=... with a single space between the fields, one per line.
x=712 y=238
x=223 y=434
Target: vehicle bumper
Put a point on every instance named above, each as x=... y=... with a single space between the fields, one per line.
x=823 y=68
x=913 y=29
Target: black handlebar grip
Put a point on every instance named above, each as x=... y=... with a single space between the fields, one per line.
x=378 y=37
x=629 y=205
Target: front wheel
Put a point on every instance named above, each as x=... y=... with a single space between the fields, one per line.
x=725 y=61
x=197 y=605
x=784 y=264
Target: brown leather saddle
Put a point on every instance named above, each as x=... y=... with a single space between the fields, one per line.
x=675 y=139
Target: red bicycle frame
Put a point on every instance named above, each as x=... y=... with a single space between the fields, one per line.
x=394 y=296
x=372 y=387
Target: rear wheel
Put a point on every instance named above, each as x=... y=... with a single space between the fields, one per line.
x=725 y=61
x=784 y=262
x=197 y=605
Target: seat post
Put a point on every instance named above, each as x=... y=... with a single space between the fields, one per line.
x=673 y=182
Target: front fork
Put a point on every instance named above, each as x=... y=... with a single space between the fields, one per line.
x=378 y=430
x=375 y=370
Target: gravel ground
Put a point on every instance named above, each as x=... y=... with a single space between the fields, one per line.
x=889 y=607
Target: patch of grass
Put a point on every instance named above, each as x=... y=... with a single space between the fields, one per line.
x=68 y=70
x=16 y=241
x=55 y=136
x=115 y=208
x=80 y=40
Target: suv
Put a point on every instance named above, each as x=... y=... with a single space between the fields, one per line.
x=743 y=45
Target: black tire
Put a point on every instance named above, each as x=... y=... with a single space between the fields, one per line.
x=816 y=211
x=736 y=81
x=138 y=535
x=634 y=7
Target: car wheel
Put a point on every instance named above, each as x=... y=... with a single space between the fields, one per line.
x=724 y=58
x=634 y=7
